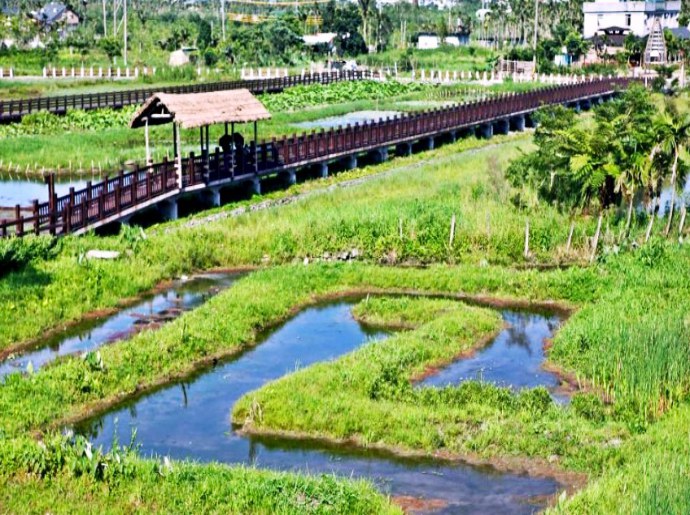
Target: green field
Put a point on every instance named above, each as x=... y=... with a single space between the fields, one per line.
x=623 y=439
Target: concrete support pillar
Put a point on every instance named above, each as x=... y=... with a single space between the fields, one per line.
x=380 y=155
x=453 y=136
x=501 y=127
x=350 y=162
x=599 y=100
x=403 y=149
x=168 y=209
x=517 y=123
x=125 y=219
x=255 y=186
x=289 y=178
x=428 y=143
x=211 y=196
x=576 y=107
x=485 y=130
x=323 y=170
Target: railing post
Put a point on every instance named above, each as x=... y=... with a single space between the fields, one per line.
x=67 y=218
x=191 y=169
x=37 y=227
x=19 y=227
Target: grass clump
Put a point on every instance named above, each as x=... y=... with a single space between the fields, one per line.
x=64 y=474
x=401 y=312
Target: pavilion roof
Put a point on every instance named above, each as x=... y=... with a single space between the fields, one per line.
x=192 y=110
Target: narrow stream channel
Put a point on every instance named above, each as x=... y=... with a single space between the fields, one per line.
x=191 y=420
x=513 y=359
x=149 y=312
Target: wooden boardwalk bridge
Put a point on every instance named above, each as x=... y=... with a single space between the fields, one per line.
x=15 y=110
x=160 y=186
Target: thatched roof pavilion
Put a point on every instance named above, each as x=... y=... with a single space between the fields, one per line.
x=191 y=110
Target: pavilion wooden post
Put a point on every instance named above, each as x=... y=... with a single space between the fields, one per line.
x=232 y=149
x=256 y=153
x=148 y=147
x=178 y=154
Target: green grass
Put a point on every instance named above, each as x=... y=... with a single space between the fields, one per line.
x=445 y=58
x=652 y=476
x=60 y=477
x=401 y=312
x=46 y=288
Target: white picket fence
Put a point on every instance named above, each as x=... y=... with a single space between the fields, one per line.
x=449 y=77
x=93 y=72
x=263 y=73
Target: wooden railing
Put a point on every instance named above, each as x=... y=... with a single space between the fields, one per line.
x=14 y=110
x=80 y=209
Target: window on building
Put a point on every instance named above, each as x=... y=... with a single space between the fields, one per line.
x=628 y=20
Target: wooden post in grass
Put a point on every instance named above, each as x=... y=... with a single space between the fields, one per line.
x=526 y=253
x=649 y=228
x=683 y=212
x=400 y=228
x=452 y=231
x=570 y=236
x=595 y=244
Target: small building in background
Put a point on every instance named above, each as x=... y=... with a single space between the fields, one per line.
x=637 y=17
x=57 y=16
x=321 y=41
x=431 y=40
x=185 y=55
x=607 y=41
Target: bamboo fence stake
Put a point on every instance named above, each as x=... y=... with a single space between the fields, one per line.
x=526 y=254
x=595 y=244
x=683 y=212
x=570 y=237
x=649 y=228
x=452 y=231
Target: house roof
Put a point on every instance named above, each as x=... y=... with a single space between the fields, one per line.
x=199 y=109
x=613 y=29
x=50 y=13
x=681 y=32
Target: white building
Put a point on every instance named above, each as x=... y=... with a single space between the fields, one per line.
x=638 y=17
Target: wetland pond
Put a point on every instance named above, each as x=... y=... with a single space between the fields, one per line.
x=191 y=420
x=149 y=312
x=359 y=117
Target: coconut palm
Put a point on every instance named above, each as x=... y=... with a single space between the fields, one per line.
x=672 y=130
x=629 y=179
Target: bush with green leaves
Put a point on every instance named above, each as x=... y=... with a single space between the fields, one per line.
x=17 y=252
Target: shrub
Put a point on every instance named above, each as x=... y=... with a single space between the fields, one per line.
x=589 y=406
x=17 y=252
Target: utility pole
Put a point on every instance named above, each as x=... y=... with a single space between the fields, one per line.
x=536 y=29
x=222 y=17
x=122 y=23
x=125 y=27
x=105 y=20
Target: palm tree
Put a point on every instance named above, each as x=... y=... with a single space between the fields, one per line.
x=672 y=129
x=365 y=11
x=629 y=179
